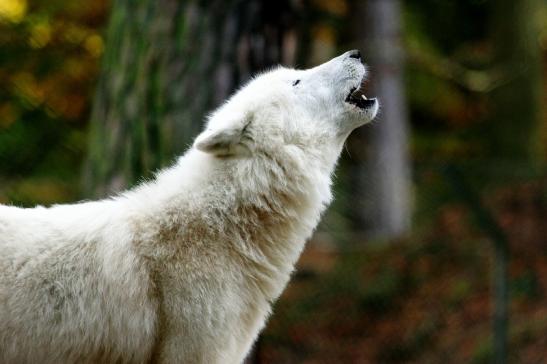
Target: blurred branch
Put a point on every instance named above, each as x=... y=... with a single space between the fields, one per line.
x=482 y=81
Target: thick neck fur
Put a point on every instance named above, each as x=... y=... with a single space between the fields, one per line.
x=268 y=205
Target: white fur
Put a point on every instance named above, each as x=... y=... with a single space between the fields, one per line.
x=183 y=269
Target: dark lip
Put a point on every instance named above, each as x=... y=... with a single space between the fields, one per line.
x=362 y=103
x=355 y=97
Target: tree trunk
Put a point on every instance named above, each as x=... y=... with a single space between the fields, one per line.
x=381 y=172
x=516 y=104
x=166 y=64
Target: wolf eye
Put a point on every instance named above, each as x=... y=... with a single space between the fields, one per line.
x=296 y=82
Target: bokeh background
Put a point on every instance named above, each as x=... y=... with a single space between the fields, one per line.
x=435 y=250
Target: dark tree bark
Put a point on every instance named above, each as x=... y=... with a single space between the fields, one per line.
x=167 y=63
x=513 y=130
x=516 y=104
x=381 y=173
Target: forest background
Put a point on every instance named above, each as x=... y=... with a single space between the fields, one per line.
x=436 y=247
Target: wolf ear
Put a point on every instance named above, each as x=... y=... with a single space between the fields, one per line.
x=224 y=140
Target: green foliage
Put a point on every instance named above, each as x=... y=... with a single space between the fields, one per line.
x=455 y=23
x=49 y=55
x=483 y=353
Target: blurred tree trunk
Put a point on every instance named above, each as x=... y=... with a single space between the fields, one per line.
x=382 y=171
x=513 y=130
x=166 y=64
x=516 y=104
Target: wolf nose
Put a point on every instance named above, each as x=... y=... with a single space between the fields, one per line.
x=355 y=54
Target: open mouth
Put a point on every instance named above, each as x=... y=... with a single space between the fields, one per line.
x=357 y=97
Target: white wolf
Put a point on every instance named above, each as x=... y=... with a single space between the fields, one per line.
x=184 y=269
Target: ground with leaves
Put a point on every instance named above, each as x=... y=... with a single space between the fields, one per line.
x=423 y=300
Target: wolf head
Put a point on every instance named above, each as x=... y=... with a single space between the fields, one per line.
x=314 y=109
